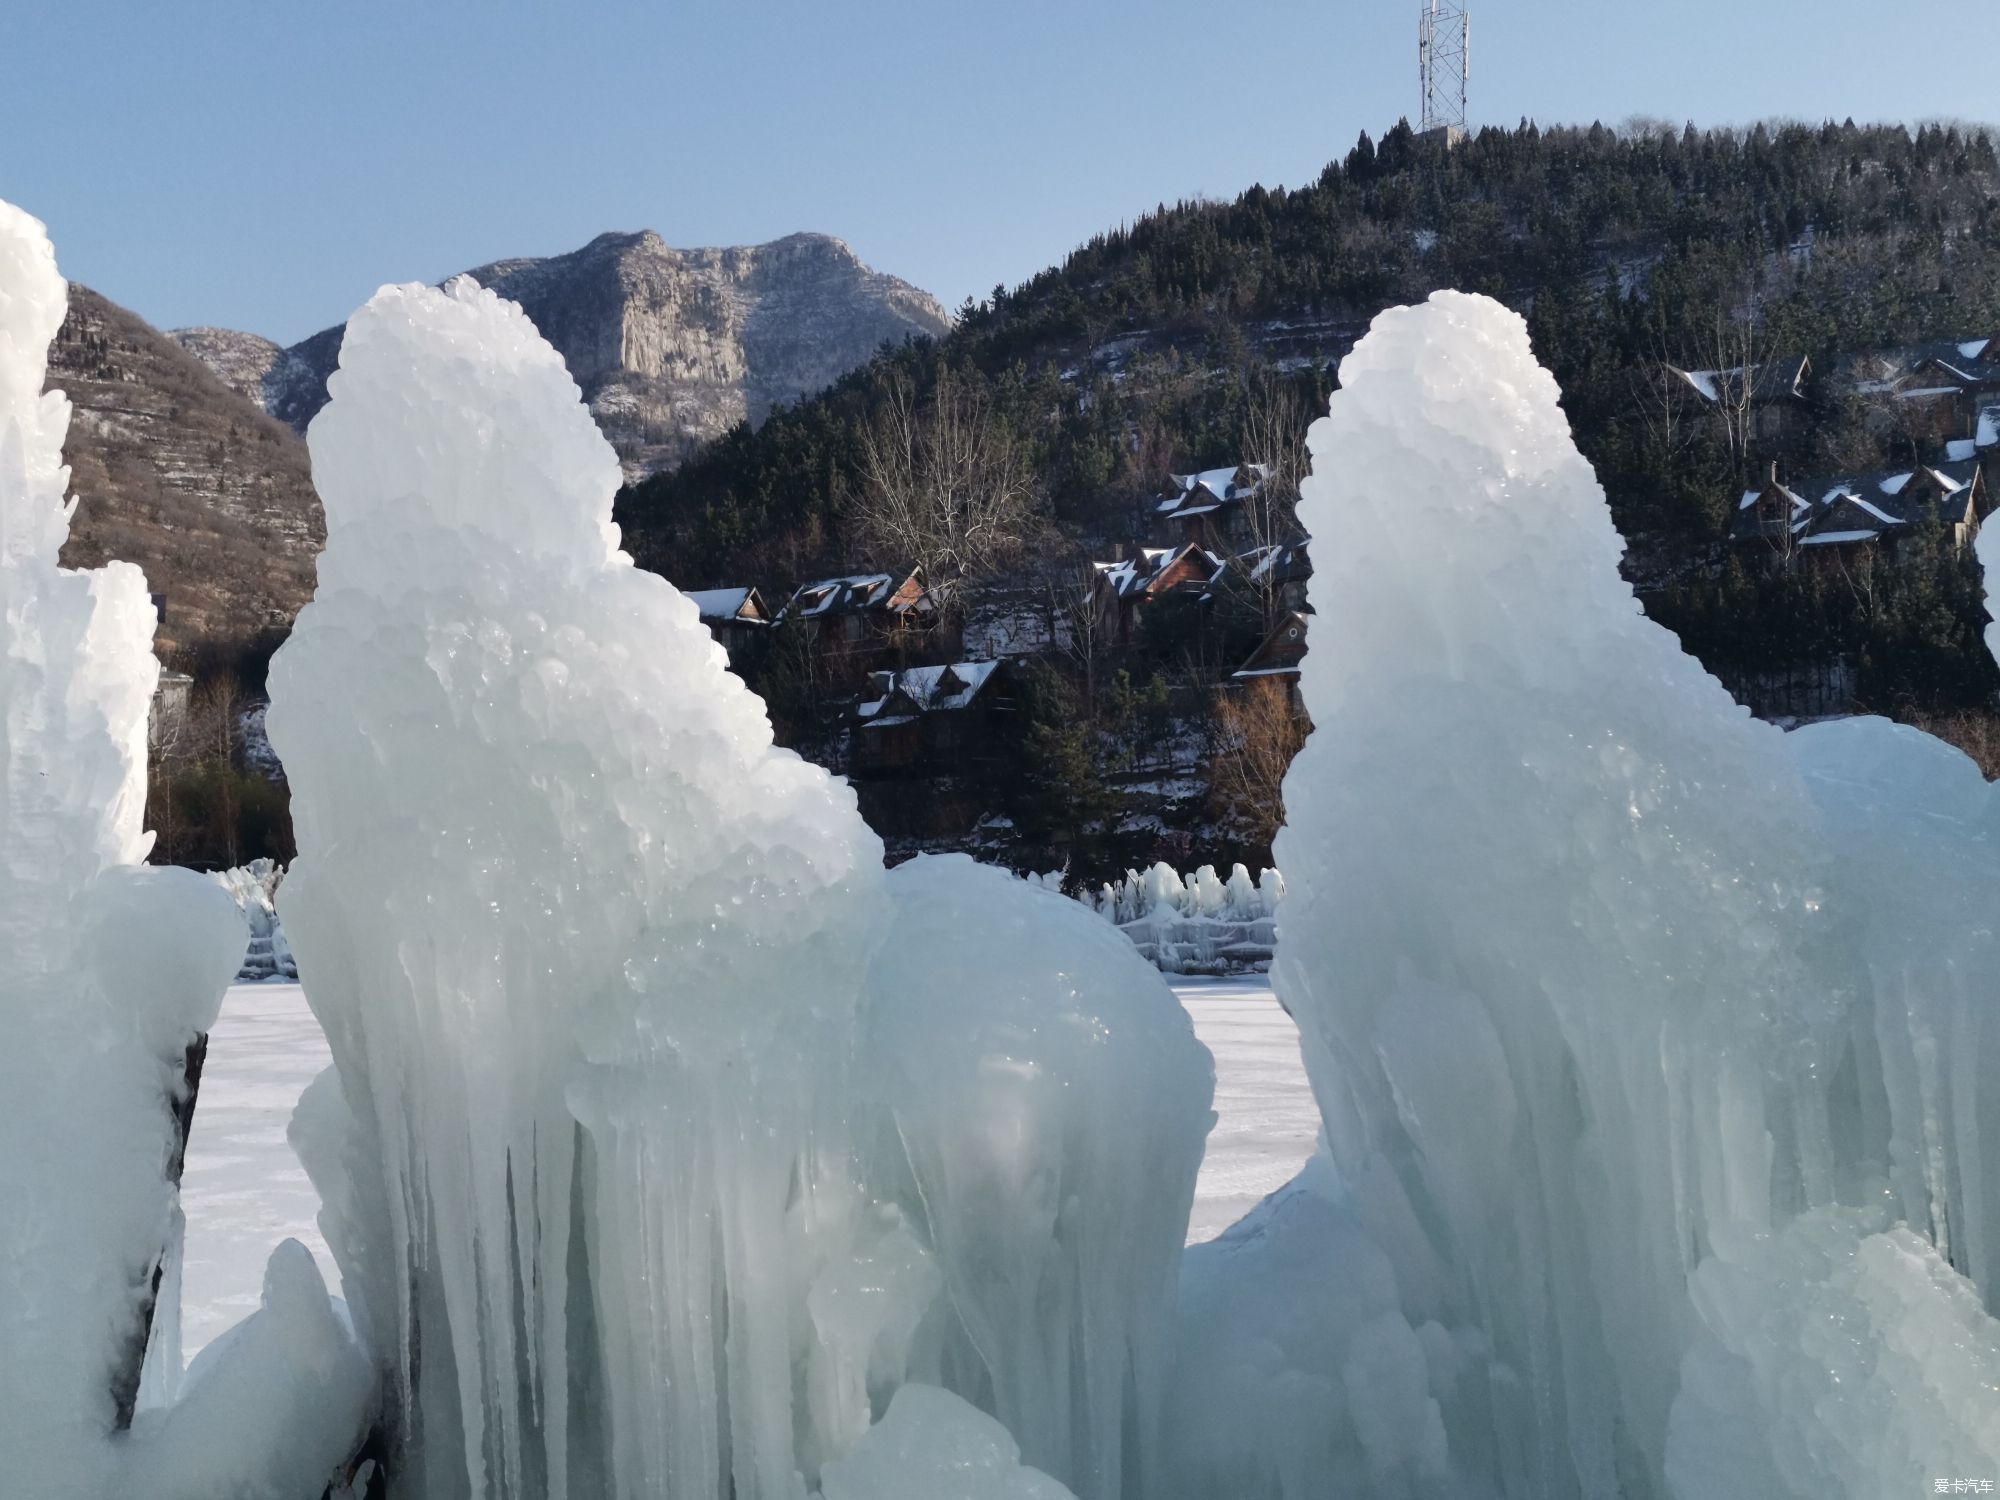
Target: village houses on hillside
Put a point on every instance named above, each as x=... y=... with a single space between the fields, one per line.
x=1938 y=401
x=1826 y=521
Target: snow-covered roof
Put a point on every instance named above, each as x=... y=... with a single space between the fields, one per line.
x=1211 y=489
x=1138 y=575
x=935 y=689
x=1881 y=501
x=1820 y=538
x=1127 y=576
x=1960 y=449
x=830 y=594
x=1879 y=514
x=720 y=604
x=1770 y=380
x=1912 y=372
x=833 y=596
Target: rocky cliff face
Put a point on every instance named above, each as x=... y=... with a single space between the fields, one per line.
x=671 y=347
x=181 y=474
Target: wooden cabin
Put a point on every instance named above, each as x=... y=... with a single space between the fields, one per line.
x=737 y=617
x=1151 y=574
x=1826 y=523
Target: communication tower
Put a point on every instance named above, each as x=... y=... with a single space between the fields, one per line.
x=1444 y=62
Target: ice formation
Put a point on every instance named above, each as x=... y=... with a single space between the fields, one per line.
x=254 y=887
x=932 y=1446
x=1200 y=925
x=1052 y=1114
x=109 y=974
x=1633 y=1022
x=620 y=1193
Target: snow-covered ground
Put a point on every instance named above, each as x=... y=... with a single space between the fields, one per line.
x=1266 y=1122
x=244 y=1190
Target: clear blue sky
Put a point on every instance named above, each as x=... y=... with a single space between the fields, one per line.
x=265 y=164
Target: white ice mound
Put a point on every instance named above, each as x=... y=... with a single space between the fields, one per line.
x=1560 y=935
x=1838 y=1357
x=272 y=1408
x=933 y=1446
x=108 y=971
x=1051 y=1102
x=552 y=867
x=1309 y=1346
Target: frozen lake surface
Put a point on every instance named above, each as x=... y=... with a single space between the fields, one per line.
x=244 y=1190
x=1266 y=1122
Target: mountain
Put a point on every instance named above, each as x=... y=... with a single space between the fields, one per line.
x=178 y=472
x=671 y=347
x=242 y=361
x=1149 y=349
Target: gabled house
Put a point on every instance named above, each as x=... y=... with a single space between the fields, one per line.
x=1149 y=575
x=1280 y=653
x=1212 y=509
x=735 y=617
x=857 y=622
x=1825 y=521
x=1277 y=573
x=1774 y=390
x=934 y=716
x=1983 y=444
x=1930 y=392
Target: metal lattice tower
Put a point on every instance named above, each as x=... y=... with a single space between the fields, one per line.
x=1444 y=62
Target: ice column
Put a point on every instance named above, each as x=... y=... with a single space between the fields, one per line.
x=1560 y=935
x=552 y=869
x=1051 y=1104
x=108 y=971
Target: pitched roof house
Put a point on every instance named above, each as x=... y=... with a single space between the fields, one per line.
x=1774 y=391
x=1151 y=573
x=1277 y=573
x=735 y=616
x=937 y=712
x=860 y=594
x=1280 y=653
x=1773 y=380
x=863 y=621
x=1832 y=517
x=1209 y=508
x=723 y=605
x=1930 y=392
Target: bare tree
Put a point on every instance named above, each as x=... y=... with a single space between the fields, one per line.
x=1081 y=611
x=946 y=486
x=1732 y=350
x=1258 y=729
x=1661 y=394
x=1273 y=437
